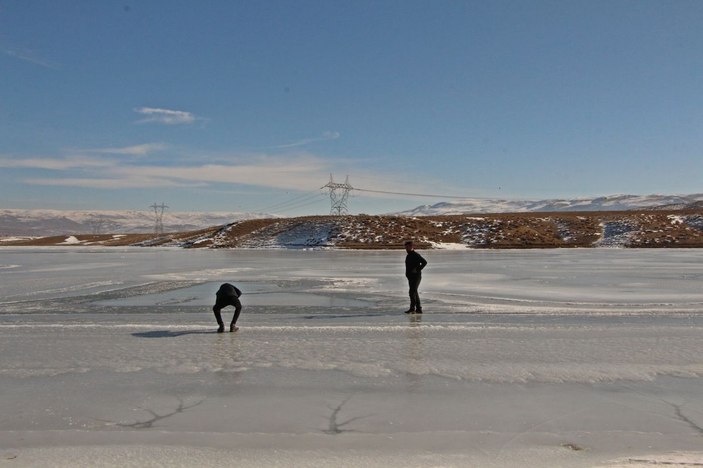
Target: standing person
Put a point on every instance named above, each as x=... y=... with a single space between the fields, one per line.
x=227 y=295
x=414 y=263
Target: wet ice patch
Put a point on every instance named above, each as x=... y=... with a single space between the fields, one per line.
x=230 y=274
x=253 y=294
x=340 y=284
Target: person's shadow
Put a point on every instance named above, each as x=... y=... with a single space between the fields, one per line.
x=171 y=334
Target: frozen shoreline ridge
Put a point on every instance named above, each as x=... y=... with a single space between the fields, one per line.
x=588 y=357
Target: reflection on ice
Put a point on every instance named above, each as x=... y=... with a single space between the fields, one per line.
x=254 y=294
x=381 y=350
x=558 y=282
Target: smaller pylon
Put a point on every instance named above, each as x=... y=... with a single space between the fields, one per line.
x=159 y=217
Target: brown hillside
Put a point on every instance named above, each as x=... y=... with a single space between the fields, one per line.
x=650 y=228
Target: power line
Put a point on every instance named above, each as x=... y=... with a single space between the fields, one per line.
x=407 y=194
x=286 y=202
x=339 y=200
x=295 y=202
x=300 y=205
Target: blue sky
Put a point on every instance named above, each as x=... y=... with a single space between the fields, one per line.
x=251 y=105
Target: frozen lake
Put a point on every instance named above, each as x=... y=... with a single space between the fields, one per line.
x=534 y=358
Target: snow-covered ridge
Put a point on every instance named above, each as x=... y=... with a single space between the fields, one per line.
x=16 y=222
x=606 y=203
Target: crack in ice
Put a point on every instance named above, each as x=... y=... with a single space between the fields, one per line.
x=148 y=424
x=334 y=426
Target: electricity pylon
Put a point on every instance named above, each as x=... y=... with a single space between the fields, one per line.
x=338 y=200
x=159 y=217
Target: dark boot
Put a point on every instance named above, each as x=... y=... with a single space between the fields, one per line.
x=216 y=309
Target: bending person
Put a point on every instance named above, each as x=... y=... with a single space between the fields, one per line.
x=227 y=295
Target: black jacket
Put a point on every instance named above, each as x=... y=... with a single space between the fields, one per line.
x=228 y=290
x=414 y=263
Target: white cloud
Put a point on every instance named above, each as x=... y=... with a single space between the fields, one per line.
x=165 y=116
x=298 y=172
x=58 y=164
x=326 y=136
x=135 y=150
x=301 y=171
x=110 y=183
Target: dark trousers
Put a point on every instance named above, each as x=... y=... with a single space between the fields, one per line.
x=413 y=284
x=224 y=301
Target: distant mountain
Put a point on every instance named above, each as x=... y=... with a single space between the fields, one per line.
x=14 y=222
x=607 y=203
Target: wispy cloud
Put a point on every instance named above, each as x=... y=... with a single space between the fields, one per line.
x=131 y=182
x=58 y=164
x=292 y=171
x=30 y=57
x=165 y=116
x=135 y=150
x=306 y=141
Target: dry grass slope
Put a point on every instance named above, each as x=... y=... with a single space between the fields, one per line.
x=647 y=228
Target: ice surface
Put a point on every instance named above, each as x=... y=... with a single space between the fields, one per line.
x=109 y=357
